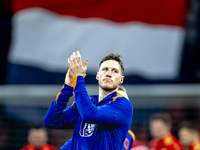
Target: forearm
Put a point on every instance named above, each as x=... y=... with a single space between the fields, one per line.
x=83 y=101
x=56 y=117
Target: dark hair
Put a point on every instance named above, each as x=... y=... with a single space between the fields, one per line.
x=115 y=57
x=191 y=125
x=165 y=117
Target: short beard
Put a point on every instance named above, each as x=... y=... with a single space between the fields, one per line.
x=107 y=89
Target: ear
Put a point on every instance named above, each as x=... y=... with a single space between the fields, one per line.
x=97 y=76
x=121 y=80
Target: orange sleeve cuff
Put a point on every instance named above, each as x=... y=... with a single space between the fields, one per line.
x=74 y=81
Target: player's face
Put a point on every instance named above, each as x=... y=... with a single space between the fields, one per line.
x=158 y=128
x=185 y=137
x=109 y=75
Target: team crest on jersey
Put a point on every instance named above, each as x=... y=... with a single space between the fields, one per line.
x=86 y=129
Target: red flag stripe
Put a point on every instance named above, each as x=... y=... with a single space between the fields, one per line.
x=167 y=12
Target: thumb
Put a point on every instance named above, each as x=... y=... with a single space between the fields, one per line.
x=67 y=75
x=85 y=64
x=84 y=75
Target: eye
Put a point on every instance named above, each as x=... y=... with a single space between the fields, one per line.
x=115 y=71
x=104 y=69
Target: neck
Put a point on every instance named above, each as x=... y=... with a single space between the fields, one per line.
x=165 y=134
x=103 y=93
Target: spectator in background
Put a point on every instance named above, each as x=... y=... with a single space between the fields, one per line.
x=37 y=139
x=160 y=129
x=189 y=135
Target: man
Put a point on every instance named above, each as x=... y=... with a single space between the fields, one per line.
x=37 y=139
x=99 y=122
x=130 y=136
x=189 y=135
x=160 y=129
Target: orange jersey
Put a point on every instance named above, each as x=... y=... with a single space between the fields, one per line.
x=169 y=142
x=195 y=146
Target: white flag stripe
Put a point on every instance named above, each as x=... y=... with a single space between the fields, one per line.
x=45 y=40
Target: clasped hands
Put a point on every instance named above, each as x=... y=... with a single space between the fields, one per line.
x=75 y=68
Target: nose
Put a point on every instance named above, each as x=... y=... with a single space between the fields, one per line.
x=108 y=73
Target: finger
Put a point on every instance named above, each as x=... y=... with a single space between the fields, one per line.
x=79 y=58
x=74 y=57
x=85 y=64
x=84 y=75
x=72 y=60
x=69 y=62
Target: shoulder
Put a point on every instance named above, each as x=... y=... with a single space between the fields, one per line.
x=122 y=108
x=121 y=104
x=171 y=140
x=125 y=103
x=121 y=99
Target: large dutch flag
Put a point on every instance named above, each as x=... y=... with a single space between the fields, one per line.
x=149 y=35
